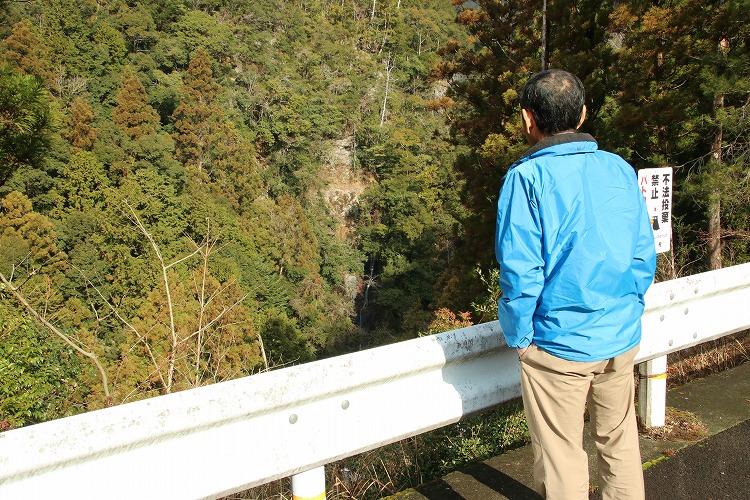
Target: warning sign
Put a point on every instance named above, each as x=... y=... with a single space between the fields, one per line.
x=656 y=187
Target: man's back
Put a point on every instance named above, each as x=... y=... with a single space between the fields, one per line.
x=592 y=231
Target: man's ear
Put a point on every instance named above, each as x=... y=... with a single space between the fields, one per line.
x=529 y=123
x=583 y=117
x=530 y=129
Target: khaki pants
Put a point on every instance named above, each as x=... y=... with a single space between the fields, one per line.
x=555 y=393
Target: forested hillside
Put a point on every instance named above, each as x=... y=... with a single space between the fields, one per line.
x=198 y=190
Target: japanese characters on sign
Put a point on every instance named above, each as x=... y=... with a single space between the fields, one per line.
x=656 y=187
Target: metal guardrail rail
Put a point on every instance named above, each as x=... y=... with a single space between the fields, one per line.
x=215 y=440
x=688 y=311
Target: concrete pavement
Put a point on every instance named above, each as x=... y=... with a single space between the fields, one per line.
x=717 y=466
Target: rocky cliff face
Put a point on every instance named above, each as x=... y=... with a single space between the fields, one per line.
x=345 y=182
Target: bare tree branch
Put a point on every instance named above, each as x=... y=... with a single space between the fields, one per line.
x=122 y=320
x=39 y=317
x=216 y=319
x=170 y=368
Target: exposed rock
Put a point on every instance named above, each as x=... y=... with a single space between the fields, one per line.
x=345 y=183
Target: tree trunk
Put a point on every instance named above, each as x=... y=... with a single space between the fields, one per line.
x=544 y=35
x=714 y=231
x=714 y=199
x=388 y=70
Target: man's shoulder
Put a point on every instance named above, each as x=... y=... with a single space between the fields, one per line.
x=552 y=166
x=616 y=162
x=558 y=154
x=611 y=156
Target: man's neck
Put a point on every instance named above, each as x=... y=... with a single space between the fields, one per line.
x=534 y=140
x=555 y=139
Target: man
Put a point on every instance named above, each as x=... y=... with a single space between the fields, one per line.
x=576 y=254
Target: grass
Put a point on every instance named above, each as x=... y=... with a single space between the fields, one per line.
x=710 y=357
x=650 y=464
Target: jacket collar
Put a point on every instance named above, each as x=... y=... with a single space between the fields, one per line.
x=556 y=140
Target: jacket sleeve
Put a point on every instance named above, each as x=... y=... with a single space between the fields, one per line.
x=644 y=257
x=518 y=249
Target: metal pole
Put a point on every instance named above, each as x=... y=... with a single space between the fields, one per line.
x=652 y=392
x=309 y=485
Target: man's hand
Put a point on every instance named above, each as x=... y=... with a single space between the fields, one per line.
x=521 y=351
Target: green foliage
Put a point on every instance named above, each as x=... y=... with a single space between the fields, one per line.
x=486 y=69
x=110 y=43
x=84 y=184
x=137 y=26
x=660 y=79
x=486 y=309
x=473 y=439
x=284 y=343
x=687 y=87
x=133 y=114
x=27 y=242
x=39 y=377
x=197 y=29
x=580 y=41
x=215 y=118
x=409 y=217
x=25 y=121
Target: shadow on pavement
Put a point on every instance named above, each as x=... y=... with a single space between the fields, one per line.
x=490 y=477
x=501 y=483
x=438 y=490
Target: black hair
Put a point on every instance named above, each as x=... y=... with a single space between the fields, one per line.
x=555 y=98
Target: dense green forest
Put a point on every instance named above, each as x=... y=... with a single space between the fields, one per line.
x=198 y=190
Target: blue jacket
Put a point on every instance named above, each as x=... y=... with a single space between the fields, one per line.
x=576 y=251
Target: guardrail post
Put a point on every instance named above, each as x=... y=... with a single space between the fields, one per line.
x=652 y=392
x=309 y=485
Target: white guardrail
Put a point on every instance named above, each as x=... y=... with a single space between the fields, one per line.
x=212 y=441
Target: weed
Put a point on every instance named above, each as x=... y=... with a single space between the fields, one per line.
x=679 y=425
x=707 y=358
